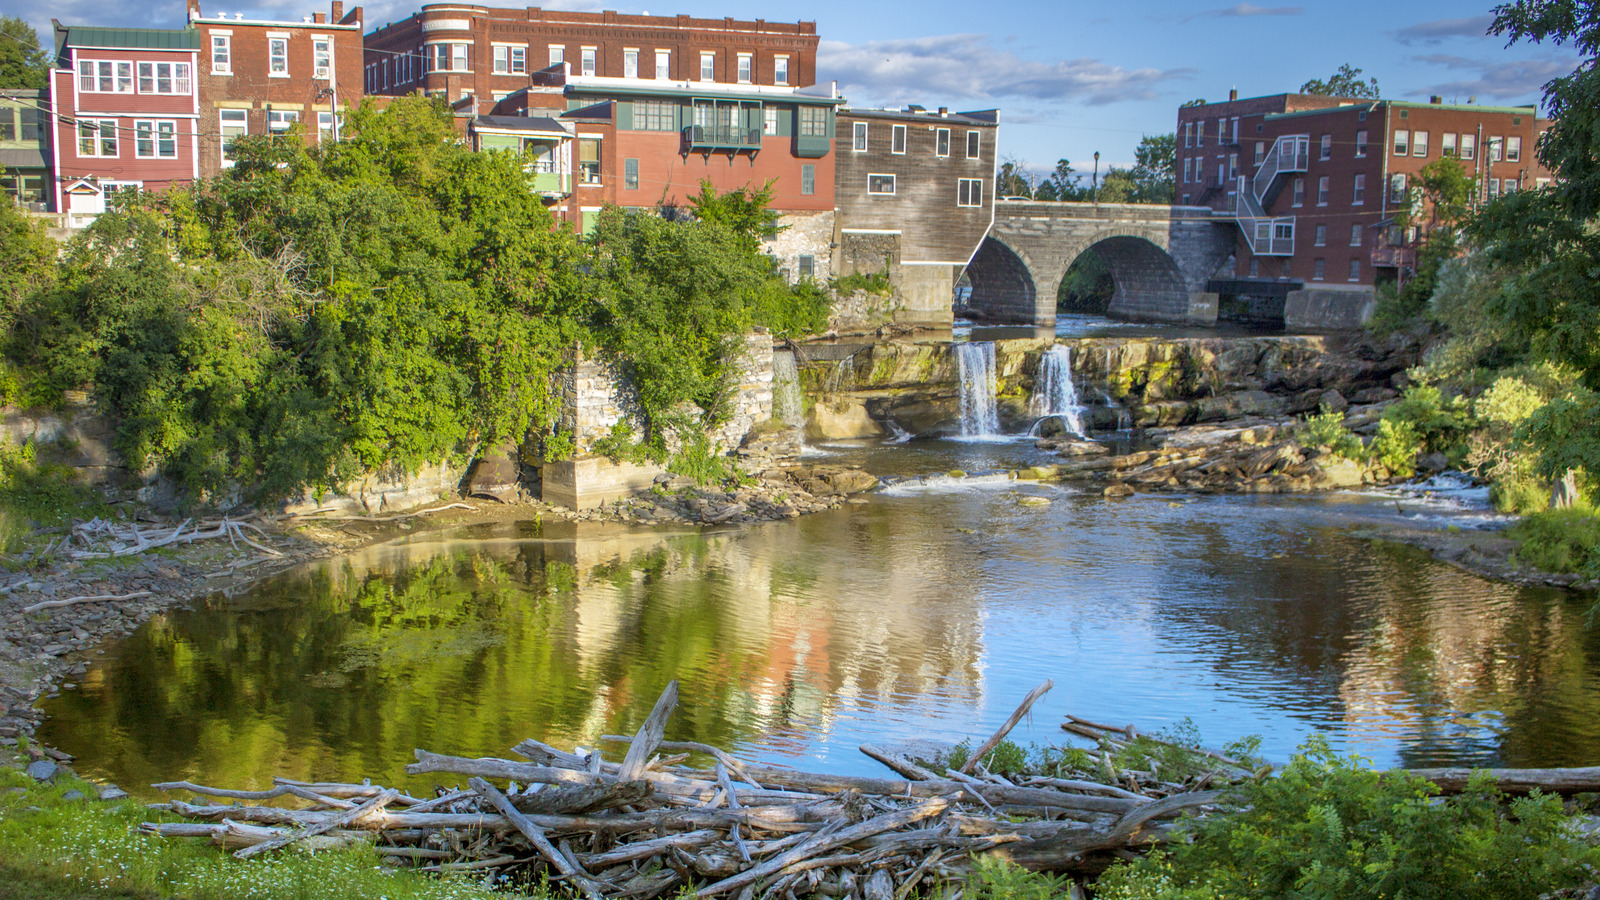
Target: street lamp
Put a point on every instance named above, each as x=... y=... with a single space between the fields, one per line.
x=1096 y=182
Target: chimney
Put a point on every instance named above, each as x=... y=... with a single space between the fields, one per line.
x=194 y=10
x=336 y=12
x=944 y=110
x=1436 y=100
x=1233 y=93
x=319 y=18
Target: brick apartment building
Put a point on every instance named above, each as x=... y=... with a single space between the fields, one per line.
x=913 y=199
x=1314 y=183
x=126 y=113
x=262 y=77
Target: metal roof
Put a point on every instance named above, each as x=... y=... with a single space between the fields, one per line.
x=543 y=124
x=133 y=38
x=927 y=117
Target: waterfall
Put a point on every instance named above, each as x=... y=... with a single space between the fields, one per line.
x=975 y=365
x=786 y=404
x=1124 y=421
x=842 y=377
x=1054 y=394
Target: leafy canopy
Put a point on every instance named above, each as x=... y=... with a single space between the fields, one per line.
x=23 y=64
x=1344 y=83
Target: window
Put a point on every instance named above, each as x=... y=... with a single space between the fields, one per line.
x=973 y=141
x=969 y=192
x=1327 y=147
x=8 y=124
x=322 y=58
x=1261 y=151
x=1469 y=146
x=1322 y=191
x=897 y=140
x=234 y=126
x=1358 y=195
x=780 y=70
x=808 y=267
x=1355 y=235
x=814 y=121
x=1222 y=129
x=1299 y=198
x=746 y=68
x=769 y=119
x=1319 y=269
x=1496 y=148
x=858 y=141
x=155 y=140
x=880 y=184
x=448 y=58
x=97 y=137
x=502 y=60
x=1233 y=166
x=1494 y=188
x=630 y=174
x=663 y=64
x=708 y=67
x=279 y=120
x=1200 y=133
x=587 y=60
x=1402 y=143
x=221 y=54
x=1419 y=144
x=1235 y=130
x=1283 y=264
x=1188 y=134
x=1447 y=144
x=1321 y=239
x=1255 y=267
x=325 y=127
x=589 y=160
x=1220 y=172
x=1361 y=144
x=558 y=54
x=1397 y=188
x=97 y=77
x=808 y=179
x=630 y=64
x=278 y=57
x=1355 y=270
x=1513 y=149
x=941 y=142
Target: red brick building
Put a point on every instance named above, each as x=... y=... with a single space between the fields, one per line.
x=262 y=77
x=1315 y=183
x=126 y=113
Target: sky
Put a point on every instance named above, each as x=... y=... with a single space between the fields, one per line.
x=1070 y=78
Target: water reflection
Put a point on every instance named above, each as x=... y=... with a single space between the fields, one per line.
x=922 y=614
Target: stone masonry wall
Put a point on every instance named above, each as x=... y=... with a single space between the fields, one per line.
x=809 y=234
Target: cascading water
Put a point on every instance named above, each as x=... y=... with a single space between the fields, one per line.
x=786 y=403
x=1124 y=421
x=975 y=366
x=1054 y=394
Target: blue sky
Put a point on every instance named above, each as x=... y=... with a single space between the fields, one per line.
x=1069 y=78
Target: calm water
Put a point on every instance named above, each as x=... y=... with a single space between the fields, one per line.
x=929 y=612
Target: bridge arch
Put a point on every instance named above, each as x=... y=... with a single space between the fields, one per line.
x=1003 y=285
x=1149 y=282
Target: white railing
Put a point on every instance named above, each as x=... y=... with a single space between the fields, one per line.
x=1269 y=235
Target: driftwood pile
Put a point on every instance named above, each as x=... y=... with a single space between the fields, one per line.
x=648 y=825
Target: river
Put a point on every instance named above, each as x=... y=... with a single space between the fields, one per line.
x=926 y=612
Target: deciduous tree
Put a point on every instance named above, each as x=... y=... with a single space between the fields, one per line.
x=22 y=63
x=1344 y=83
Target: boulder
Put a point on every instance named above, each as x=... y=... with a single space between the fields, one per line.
x=852 y=481
x=841 y=419
x=1332 y=400
x=1337 y=472
x=42 y=770
x=1051 y=426
x=1117 y=490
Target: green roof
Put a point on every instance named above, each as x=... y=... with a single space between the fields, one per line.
x=684 y=93
x=134 y=38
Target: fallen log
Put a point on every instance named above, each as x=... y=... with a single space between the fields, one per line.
x=1516 y=781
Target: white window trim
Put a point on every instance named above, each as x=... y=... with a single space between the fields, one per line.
x=589 y=58
x=970 y=154
x=708 y=56
x=860 y=134
x=155 y=138
x=278 y=36
x=77 y=140
x=888 y=175
x=901 y=135
x=323 y=73
x=976 y=185
x=937 y=134
x=132 y=76
x=744 y=68
x=227 y=43
x=635 y=52
x=784 y=59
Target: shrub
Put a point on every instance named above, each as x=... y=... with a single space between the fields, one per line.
x=1559 y=540
x=1326 y=429
x=870 y=282
x=1395 y=447
x=1437 y=422
x=1330 y=827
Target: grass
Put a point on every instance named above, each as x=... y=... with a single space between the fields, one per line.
x=1559 y=540
x=70 y=849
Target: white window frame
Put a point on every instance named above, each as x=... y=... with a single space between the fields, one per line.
x=501 y=59
x=1402 y=142
x=1297 y=196
x=557 y=54
x=746 y=70
x=277 y=56
x=101 y=127
x=322 y=58
x=1355 y=270
x=969 y=192
x=1319 y=269
x=1355 y=235
x=175 y=74
x=1358 y=190
x=899 y=139
x=974 y=145
x=1319 y=237
x=519 y=60
x=1469 y=146
x=941 y=142
x=285 y=117
x=769 y=120
x=1514 y=148
x=1361 y=144
x=1188 y=134
x=708 y=65
x=881 y=175
x=663 y=70
x=1261 y=151
x=858 y=137
x=1324 y=187
x=1419 y=143
x=1325 y=149
x=222 y=64
x=1447 y=144
x=150 y=131
x=589 y=60
x=118 y=73
x=325 y=126
x=630 y=62
x=780 y=69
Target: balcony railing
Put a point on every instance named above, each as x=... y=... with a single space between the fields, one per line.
x=1269 y=235
x=1394 y=257
x=552 y=184
x=716 y=137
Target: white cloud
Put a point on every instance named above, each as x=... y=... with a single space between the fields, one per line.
x=968 y=68
x=1437 y=30
x=1513 y=80
x=1247 y=9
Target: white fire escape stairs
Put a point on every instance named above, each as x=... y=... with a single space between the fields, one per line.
x=1268 y=235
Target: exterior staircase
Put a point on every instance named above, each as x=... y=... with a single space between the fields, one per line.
x=1269 y=235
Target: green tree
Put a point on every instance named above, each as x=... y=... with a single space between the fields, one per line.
x=27 y=259
x=1046 y=190
x=1117 y=185
x=1010 y=182
x=1065 y=179
x=1155 y=167
x=1198 y=101
x=1344 y=83
x=746 y=212
x=22 y=63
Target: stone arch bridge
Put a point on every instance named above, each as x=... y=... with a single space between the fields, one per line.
x=1160 y=256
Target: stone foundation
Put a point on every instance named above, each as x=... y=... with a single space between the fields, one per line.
x=1328 y=308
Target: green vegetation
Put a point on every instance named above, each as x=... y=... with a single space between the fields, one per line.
x=387 y=300
x=1088 y=285
x=1172 y=754
x=870 y=282
x=1151 y=179
x=51 y=847
x=23 y=62
x=1331 y=827
x=1560 y=540
x=1344 y=83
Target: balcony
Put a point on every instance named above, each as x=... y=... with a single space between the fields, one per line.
x=552 y=184
x=715 y=137
x=1394 y=258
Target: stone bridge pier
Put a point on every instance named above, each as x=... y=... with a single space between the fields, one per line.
x=1160 y=257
